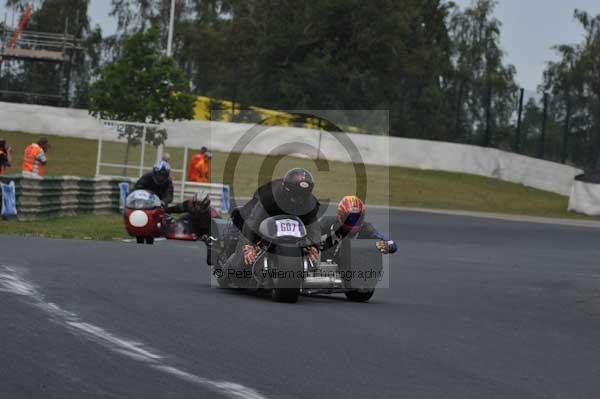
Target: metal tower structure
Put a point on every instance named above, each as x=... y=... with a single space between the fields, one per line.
x=37 y=47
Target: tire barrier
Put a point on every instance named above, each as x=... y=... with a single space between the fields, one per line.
x=60 y=196
x=34 y=198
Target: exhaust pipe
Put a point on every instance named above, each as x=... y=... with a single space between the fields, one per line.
x=322 y=283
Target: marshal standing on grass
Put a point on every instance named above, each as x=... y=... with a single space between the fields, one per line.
x=34 y=158
x=199 y=167
x=5 y=156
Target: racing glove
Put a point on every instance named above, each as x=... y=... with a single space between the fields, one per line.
x=314 y=254
x=249 y=254
x=386 y=247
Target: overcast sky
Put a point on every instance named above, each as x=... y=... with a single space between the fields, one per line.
x=529 y=29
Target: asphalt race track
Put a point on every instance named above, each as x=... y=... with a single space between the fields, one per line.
x=476 y=308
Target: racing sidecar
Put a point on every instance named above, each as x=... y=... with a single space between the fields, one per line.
x=354 y=268
x=146 y=219
x=144 y=216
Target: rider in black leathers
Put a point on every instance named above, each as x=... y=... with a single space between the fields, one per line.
x=158 y=181
x=291 y=195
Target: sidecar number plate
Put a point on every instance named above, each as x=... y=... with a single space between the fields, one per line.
x=288 y=228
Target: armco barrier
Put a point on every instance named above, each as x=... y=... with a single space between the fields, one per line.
x=68 y=195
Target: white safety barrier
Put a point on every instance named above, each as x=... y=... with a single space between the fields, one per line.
x=48 y=120
x=218 y=193
x=376 y=150
x=585 y=198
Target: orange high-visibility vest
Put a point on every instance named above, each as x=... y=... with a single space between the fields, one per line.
x=204 y=168
x=193 y=169
x=30 y=161
x=207 y=169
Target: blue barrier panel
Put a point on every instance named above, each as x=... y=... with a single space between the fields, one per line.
x=225 y=200
x=124 y=192
x=9 y=202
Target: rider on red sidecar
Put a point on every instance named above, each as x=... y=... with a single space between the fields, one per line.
x=196 y=221
x=158 y=181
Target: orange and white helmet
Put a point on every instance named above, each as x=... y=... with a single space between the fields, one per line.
x=351 y=213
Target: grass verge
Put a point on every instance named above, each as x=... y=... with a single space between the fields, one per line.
x=87 y=227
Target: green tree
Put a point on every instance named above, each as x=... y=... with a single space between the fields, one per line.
x=479 y=73
x=589 y=68
x=574 y=82
x=328 y=54
x=531 y=127
x=141 y=85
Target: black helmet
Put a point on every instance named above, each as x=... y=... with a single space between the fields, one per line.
x=161 y=172
x=299 y=183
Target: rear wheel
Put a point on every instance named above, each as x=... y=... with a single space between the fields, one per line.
x=359 y=295
x=150 y=240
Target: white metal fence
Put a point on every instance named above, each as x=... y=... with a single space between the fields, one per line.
x=140 y=155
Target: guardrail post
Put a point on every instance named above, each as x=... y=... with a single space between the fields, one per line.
x=544 y=122
x=184 y=172
x=565 y=144
x=487 y=138
x=517 y=145
x=143 y=152
x=98 y=158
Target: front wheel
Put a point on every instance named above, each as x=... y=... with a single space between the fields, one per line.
x=150 y=240
x=359 y=295
x=221 y=278
x=139 y=240
x=286 y=295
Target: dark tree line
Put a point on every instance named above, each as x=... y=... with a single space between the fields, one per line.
x=431 y=64
x=438 y=68
x=572 y=85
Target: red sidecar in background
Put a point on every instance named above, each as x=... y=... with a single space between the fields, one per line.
x=145 y=219
x=144 y=216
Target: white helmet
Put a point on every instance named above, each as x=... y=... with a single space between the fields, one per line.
x=201 y=201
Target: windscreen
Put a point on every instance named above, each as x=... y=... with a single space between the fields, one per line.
x=142 y=199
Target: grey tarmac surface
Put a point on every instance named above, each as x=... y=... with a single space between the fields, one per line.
x=477 y=308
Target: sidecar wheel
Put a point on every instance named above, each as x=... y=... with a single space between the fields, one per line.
x=359 y=296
